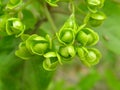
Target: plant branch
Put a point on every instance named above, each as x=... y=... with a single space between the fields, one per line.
x=48 y=15
x=61 y=11
x=37 y=25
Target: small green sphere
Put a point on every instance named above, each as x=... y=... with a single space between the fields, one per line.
x=40 y=48
x=64 y=52
x=96 y=19
x=82 y=37
x=17 y=24
x=91 y=57
x=67 y=36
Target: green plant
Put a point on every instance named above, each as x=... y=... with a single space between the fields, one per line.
x=19 y=22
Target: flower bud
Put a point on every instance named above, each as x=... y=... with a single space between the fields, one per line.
x=96 y=19
x=87 y=37
x=66 y=35
x=89 y=56
x=14 y=26
x=94 y=4
x=23 y=52
x=67 y=52
x=70 y=23
x=13 y=3
x=51 y=61
x=37 y=44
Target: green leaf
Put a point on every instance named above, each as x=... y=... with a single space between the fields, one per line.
x=8 y=43
x=88 y=81
x=109 y=32
x=16 y=74
x=28 y=19
x=112 y=80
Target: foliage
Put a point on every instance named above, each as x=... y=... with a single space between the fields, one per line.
x=38 y=36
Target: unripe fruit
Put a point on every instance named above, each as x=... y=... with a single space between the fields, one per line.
x=67 y=52
x=40 y=47
x=87 y=37
x=90 y=56
x=37 y=44
x=14 y=26
x=93 y=5
x=66 y=36
x=96 y=19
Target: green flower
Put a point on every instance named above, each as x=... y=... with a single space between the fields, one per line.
x=13 y=3
x=66 y=35
x=51 y=61
x=67 y=52
x=90 y=56
x=52 y=2
x=23 y=52
x=87 y=37
x=96 y=19
x=14 y=26
x=38 y=45
x=93 y=5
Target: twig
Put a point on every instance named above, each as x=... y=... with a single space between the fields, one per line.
x=60 y=11
x=37 y=25
x=48 y=15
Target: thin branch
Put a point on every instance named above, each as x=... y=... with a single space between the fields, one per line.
x=60 y=11
x=48 y=15
x=38 y=24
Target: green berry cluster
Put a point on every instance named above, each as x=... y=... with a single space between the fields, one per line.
x=9 y=23
x=78 y=40
x=95 y=17
x=94 y=5
x=73 y=39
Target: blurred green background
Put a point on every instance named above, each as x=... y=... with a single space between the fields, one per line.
x=105 y=75
x=16 y=74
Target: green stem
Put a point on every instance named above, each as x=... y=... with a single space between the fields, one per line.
x=80 y=10
x=54 y=28
x=72 y=7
